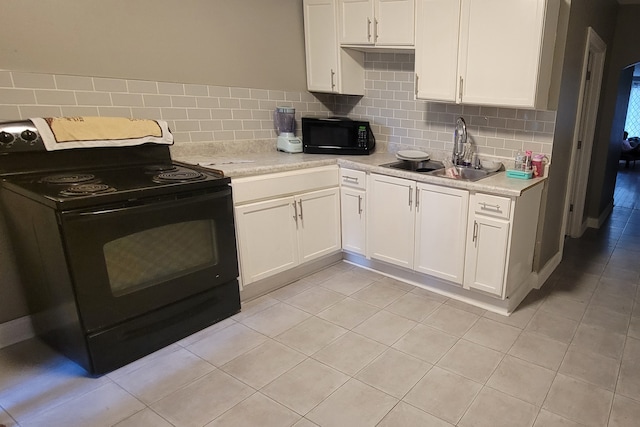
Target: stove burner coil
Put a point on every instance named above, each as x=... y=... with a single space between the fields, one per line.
x=68 y=178
x=179 y=176
x=160 y=168
x=87 y=190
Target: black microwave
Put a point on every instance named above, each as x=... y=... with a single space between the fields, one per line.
x=336 y=135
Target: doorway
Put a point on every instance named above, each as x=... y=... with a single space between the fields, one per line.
x=575 y=222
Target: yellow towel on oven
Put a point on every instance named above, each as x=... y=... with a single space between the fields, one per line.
x=60 y=133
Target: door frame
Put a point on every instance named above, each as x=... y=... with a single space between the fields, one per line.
x=583 y=134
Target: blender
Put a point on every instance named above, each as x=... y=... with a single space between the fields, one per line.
x=284 y=119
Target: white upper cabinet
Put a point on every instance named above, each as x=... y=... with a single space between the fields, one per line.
x=376 y=22
x=503 y=51
x=329 y=68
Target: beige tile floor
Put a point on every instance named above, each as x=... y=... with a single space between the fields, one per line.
x=347 y=347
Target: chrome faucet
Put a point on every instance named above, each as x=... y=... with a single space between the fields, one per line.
x=459 y=141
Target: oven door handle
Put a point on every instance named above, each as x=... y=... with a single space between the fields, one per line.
x=149 y=204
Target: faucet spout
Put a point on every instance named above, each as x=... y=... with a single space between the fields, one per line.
x=459 y=141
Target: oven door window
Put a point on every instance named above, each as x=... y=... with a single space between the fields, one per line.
x=143 y=259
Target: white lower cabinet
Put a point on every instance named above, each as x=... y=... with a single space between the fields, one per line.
x=275 y=233
x=353 y=207
x=441 y=229
x=391 y=219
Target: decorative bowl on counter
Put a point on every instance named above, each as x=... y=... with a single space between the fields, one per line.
x=490 y=165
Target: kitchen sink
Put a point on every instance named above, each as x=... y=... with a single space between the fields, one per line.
x=420 y=167
x=465 y=174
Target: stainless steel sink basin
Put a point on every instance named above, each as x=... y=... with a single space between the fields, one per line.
x=419 y=167
x=465 y=174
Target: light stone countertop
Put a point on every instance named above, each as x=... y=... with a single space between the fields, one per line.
x=237 y=165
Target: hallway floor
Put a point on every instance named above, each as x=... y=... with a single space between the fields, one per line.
x=347 y=347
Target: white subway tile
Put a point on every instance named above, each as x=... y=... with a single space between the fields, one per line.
x=221 y=113
x=276 y=95
x=181 y=137
x=5 y=79
x=196 y=90
x=55 y=97
x=231 y=125
x=219 y=91
x=109 y=85
x=229 y=103
x=142 y=86
x=94 y=98
x=173 y=113
x=64 y=82
x=151 y=100
x=170 y=88
x=207 y=102
x=115 y=111
x=152 y=113
x=17 y=96
x=183 y=101
x=210 y=125
x=202 y=136
x=186 y=125
x=126 y=99
x=251 y=104
x=223 y=135
x=259 y=94
x=9 y=112
x=239 y=92
x=28 y=111
x=243 y=135
x=198 y=113
x=79 y=111
x=241 y=114
x=33 y=80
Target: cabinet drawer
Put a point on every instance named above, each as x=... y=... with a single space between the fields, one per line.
x=352 y=178
x=486 y=204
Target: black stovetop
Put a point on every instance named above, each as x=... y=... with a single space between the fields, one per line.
x=79 y=188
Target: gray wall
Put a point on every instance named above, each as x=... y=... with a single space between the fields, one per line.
x=244 y=43
x=624 y=52
x=601 y=15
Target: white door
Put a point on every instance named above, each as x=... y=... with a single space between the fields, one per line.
x=356 y=18
x=321 y=45
x=436 y=64
x=352 y=206
x=267 y=238
x=486 y=254
x=394 y=23
x=441 y=230
x=318 y=223
x=391 y=219
x=500 y=51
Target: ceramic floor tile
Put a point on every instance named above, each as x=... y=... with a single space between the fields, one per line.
x=165 y=375
x=565 y=307
x=629 y=380
x=257 y=410
x=385 y=327
x=599 y=341
x=590 y=367
x=350 y=353
x=426 y=343
x=379 y=294
x=471 y=360
x=227 y=344
x=348 y=283
x=492 y=334
x=305 y=423
x=518 y=318
x=451 y=320
x=255 y=306
x=202 y=400
x=634 y=328
x=522 y=379
x=540 y=350
x=394 y=372
x=315 y=300
x=429 y=294
x=466 y=307
x=137 y=364
x=206 y=332
x=618 y=304
x=144 y=418
x=414 y=307
x=348 y=313
x=305 y=386
x=354 y=404
x=263 y=364
x=104 y=406
x=606 y=319
x=292 y=289
x=625 y=412
x=276 y=319
x=495 y=409
x=404 y=415
x=579 y=401
x=311 y=335
x=443 y=394
x=552 y=326
x=549 y=419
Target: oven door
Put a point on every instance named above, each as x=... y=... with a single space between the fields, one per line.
x=130 y=260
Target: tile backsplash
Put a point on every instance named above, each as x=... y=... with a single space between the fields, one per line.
x=201 y=113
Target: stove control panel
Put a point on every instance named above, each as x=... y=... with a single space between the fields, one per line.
x=19 y=136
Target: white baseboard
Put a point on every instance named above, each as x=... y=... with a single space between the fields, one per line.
x=545 y=272
x=597 y=222
x=15 y=331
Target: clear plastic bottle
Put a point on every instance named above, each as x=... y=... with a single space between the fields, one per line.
x=527 y=160
x=519 y=161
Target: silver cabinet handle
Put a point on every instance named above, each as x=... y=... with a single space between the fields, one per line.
x=475 y=233
x=295 y=212
x=417 y=198
x=333 y=84
x=487 y=207
x=375 y=30
x=368 y=28
x=410 y=196
x=460 y=90
x=360 y=205
x=350 y=179
x=416 y=88
x=300 y=201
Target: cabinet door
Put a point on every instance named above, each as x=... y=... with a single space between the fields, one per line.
x=441 y=230
x=394 y=24
x=356 y=21
x=500 y=51
x=391 y=219
x=321 y=45
x=267 y=238
x=318 y=223
x=437 y=29
x=486 y=254
x=352 y=206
